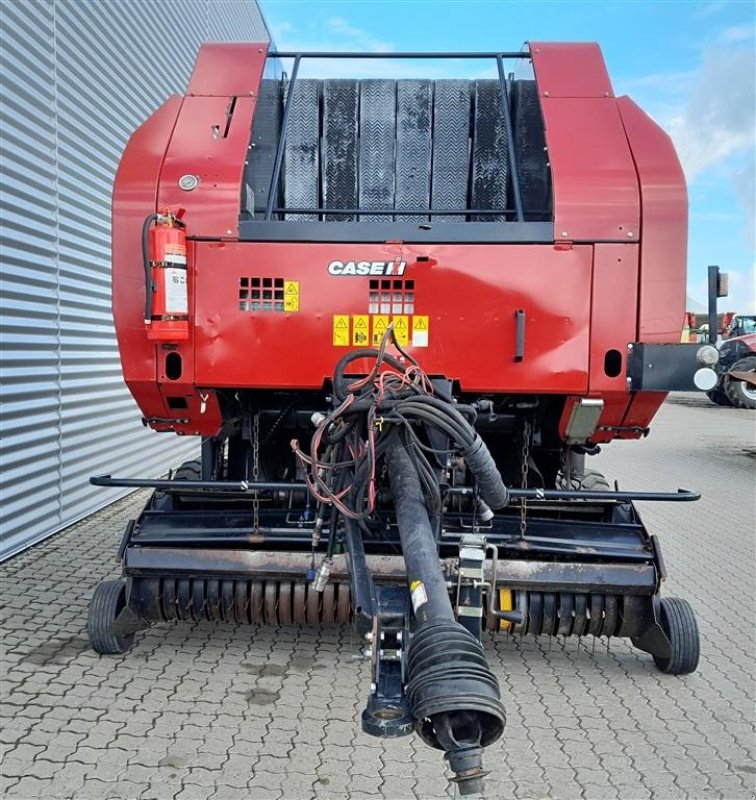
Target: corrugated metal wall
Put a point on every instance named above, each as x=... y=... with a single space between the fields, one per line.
x=77 y=79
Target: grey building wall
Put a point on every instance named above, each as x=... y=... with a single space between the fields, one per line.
x=77 y=78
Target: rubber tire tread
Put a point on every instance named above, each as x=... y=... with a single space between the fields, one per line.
x=679 y=623
x=719 y=397
x=105 y=606
x=734 y=388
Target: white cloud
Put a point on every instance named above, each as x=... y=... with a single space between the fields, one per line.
x=717 y=120
x=357 y=38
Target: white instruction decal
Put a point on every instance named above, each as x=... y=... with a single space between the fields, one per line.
x=175 y=291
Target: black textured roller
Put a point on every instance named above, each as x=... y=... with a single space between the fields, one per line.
x=490 y=154
x=451 y=147
x=339 y=162
x=301 y=151
x=413 y=146
x=377 y=158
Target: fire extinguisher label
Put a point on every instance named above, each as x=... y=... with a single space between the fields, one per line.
x=175 y=253
x=175 y=291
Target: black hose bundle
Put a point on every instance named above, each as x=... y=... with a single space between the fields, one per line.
x=395 y=399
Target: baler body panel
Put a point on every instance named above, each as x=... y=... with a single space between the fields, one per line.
x=468 y=295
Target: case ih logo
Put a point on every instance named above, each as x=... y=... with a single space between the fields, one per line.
x=395 y=267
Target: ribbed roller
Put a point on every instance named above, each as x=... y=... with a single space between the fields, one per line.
x=450 y=172
x=301 y=150
x=339 y=147
x=566 y=614
x=270 y=602
x=413 y=146
x=265 y=135
x=490 y=151
x=530 y=149
x=377 y=158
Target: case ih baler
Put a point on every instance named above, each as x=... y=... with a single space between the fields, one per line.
x=400 y=313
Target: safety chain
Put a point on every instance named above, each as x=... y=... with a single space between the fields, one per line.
x=524 y=466
x=256 y=468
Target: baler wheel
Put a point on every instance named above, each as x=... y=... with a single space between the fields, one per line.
x=679 y=623
x=741 y=394
x=107 y=602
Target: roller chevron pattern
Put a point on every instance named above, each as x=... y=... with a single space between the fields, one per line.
x=265 y=134
x=451 y=147
x=530 y=149
x=377 y=147
x=301 y=169
x=339 y=155
x=405 y=144
x=413 y=146
x=490 y=152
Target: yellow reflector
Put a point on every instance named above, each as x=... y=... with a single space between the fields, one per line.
x=505 y=604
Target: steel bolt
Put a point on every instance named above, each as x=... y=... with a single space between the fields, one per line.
x=630 y=234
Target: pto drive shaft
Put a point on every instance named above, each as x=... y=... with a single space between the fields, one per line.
x=453 y=694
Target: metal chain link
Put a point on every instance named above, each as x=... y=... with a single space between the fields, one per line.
x=524 y=467
x=256 y=468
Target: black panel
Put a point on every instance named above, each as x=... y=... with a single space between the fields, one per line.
x=490 y=154
x=377 y=146
x=339 y=147
x=451 y=147
x=530 y=150
x=301 y=168
x=413 y=146
x=663 y=367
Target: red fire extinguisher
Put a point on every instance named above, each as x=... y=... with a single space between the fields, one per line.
x=166 y=314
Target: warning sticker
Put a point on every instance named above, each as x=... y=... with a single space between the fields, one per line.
x=418 y=594
x=175 y=254
x=341 y=330
x=419 y=331
x=291 y=295
x=401 y=329
x=380 y=325
x=360 y=330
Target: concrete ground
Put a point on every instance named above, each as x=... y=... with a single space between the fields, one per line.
x=228 y=712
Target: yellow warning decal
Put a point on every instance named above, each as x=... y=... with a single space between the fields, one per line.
x=380 y=325
x=420 y=331
x=291 y=295
x=360 y=330
x=341 y=330
x=401 y=330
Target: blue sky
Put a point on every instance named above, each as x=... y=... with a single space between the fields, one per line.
x=688 y=64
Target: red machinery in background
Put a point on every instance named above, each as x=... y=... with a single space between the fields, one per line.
x=413 y=307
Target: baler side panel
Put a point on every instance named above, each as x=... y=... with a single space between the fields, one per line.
x=228 y=69
x=570 y=69
x=470 y=295
x=134 y=198
x=594 y=182
x=663 y=258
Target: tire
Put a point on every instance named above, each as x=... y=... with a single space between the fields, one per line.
x=593 y=481
x=718 y=396
x=679 y=623
x=188 y=471
x=108 y=600
x=740 y=393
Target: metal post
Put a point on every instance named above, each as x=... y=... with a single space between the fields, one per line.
x=510 y=139
x=272 y=192
x=713 y=294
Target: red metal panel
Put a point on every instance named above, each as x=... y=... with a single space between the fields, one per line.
x=199 y=147
x=570 y=69
x=224 y=69
x=613 y=303
x=469 y=293
x=134 y=194
x=663 y=256
x=595 y=185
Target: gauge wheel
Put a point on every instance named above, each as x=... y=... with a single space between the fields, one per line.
x=107 y=603
x=679 y=624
